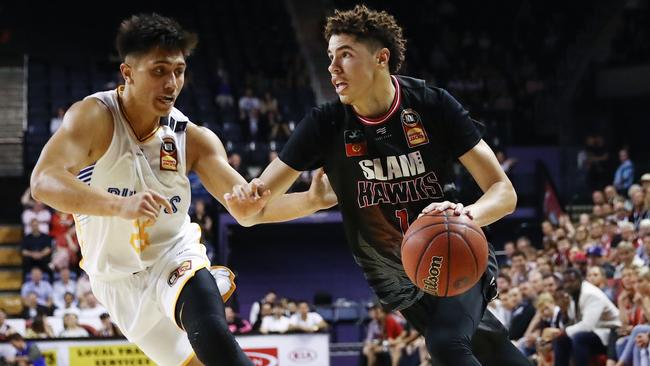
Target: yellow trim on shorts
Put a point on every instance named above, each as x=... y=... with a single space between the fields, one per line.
x=178 y=293
x=188 y=359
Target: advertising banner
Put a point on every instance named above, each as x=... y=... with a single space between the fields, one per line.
x=263 y=350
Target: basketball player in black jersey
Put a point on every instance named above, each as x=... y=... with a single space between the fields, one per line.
x=387 y=145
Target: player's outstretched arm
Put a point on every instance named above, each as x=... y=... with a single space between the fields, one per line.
x=81 y=140
x=278 y=178
x=207 y=157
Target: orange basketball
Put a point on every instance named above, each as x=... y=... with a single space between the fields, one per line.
x=444 y=254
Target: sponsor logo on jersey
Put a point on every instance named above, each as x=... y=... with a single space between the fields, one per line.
x=179 y=272
x=355 y=143
x=168 y=155
x=382 y=134
x=413 y=128
x=431 y=282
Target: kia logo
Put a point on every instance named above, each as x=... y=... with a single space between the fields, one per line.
x=303 y=355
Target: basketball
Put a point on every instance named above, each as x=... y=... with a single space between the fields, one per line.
x=443 y=254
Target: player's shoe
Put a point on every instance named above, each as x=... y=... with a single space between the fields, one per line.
x=225 y=281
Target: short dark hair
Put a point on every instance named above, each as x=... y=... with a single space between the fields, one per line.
x=519 y=253
x=573 y=271
x=370 y=26
x=558 y=280
x=143 y=32
x=505 y=277
x=15 y=337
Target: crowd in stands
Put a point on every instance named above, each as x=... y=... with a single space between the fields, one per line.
x=274 y=315
x=583 y=294
x=580 y=296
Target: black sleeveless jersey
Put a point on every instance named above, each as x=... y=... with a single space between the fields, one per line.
x=385 y=171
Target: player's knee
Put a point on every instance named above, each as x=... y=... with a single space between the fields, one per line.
x=449 y=350
x=211 y=326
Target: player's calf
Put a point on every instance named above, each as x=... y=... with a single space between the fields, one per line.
x=200 y=312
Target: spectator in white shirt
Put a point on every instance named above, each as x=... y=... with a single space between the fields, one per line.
x=56 y=121
x=5 y=329
x=62 y=286
x=627 y=257
x=276 y=323
x=306 y=321
x=596 y=315
x=92 y=308
x=71 y=327
x=41 y=214
x=69 y=304
x=269 y=298
x=83 y=287
x=248 y=103
x=42 y=288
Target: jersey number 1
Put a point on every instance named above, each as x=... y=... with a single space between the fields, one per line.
x=403 y=217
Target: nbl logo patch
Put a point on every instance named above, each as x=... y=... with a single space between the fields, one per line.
x=168 y=155
x=413 y=128
x=355 y=143
x=179 y=272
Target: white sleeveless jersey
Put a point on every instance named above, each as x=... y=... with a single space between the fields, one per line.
x=112 y=247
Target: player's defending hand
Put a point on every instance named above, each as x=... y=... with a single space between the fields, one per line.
x=320 y=190
x=246 y=200
x=438 y=207
x=143 y=205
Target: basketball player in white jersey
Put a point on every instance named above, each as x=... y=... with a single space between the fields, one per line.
x=119 y=162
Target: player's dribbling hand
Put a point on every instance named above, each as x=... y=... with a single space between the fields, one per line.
x=320 y=190
x=145 y=205
x=248 y=199
x=438 y=207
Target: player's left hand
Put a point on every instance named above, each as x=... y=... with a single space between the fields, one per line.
x=320 y=190
x=437 y=207
x=246 y=200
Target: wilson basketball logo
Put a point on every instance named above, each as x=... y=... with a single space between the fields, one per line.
x=431 y=282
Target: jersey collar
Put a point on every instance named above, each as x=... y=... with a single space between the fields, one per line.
x=391 y=111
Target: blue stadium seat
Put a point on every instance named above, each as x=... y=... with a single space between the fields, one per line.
x=346 y=313
x=327 y=312
x=232 y=132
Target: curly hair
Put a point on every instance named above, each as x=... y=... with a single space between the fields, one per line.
x=143 y=32
x=371 y=26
